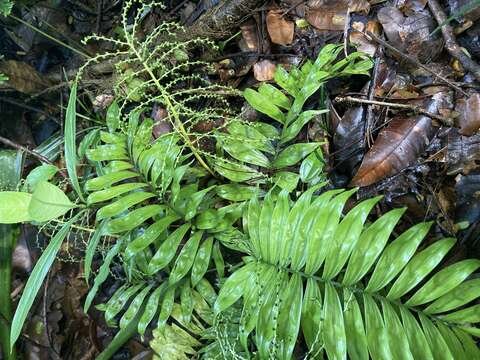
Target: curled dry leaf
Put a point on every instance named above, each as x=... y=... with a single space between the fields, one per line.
x=469 y=114
x=411 y=34
x=396 y=147
x=264 y=70
x=404 y=139
x=280 y=30
x=349 y=139
x=332 y=14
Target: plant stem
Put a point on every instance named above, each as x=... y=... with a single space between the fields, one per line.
x=7 y=236
x=414 y=108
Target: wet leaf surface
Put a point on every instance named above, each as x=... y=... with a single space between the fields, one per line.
x=396 y=147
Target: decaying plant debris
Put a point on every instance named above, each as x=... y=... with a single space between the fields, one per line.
x=239 y=179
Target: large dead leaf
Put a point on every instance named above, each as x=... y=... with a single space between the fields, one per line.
x=23 y=77
x=411 y=34
x=469 y=114
x=396 y=147
x=332 y=14
x=399 y=145
x=280 y=30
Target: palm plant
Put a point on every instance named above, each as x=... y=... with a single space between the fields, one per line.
x=349 y=290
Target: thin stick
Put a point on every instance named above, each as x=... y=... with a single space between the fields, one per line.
x=450 y=42
x=415 y=109
x=413 y=60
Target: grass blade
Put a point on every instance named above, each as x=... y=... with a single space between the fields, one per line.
x=70 y=144
x=36 y=278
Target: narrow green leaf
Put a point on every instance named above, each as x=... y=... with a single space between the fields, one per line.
x=152 y=307
x=263 y=104
x=245 y=151
x=202 y=260
x=118 y=300
x=274 y=95
x=92 y=248
x=419 y=267
x=70 y=140
x=236 y=192
x=334 y=334
x=377 y=337
x=133 y=219
x=108 y=180
x=35 y=280
x=167 y=250
x=185 y=259
x=123 y=204
x=370 y=246
x=293 y=154
x=468 y=315
x=102 y=274
x=444 y=281
x=149 y=236
x=357 y=347
x=397 y=339
x=166 y=309
x=312 y=322
x=419 y=347
x=186 y=302
x=438 y=346
x=396 y=255
x=194 y=202
x=107 y=194
x=294 y=128
x=289 y=317
x=233 y=288
x=134 y=307
x=461 y=295
x=113 y=116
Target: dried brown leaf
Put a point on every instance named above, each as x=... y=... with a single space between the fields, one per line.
x=396 y=147
x=280 y=30
x=264 y=70
x=23 y=77
x=469 y=118
x=411 y=34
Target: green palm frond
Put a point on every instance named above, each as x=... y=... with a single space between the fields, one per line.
x=270 y=145
x=150 y=199
x=348 y=288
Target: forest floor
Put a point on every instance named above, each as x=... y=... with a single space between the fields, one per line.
x=409 y=131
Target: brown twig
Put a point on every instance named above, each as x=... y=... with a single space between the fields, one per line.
x=450 y=42
x=374 y=37
x=414 y=108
